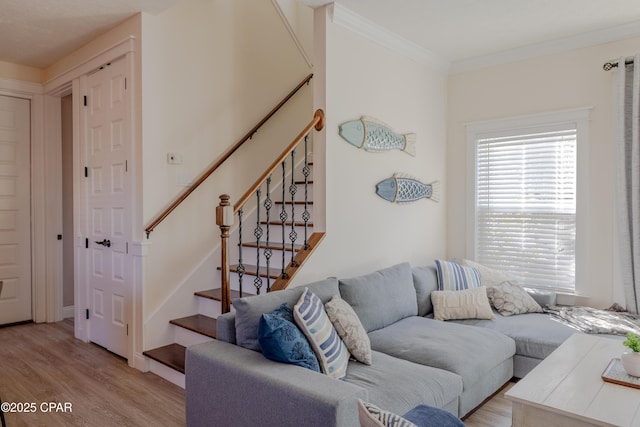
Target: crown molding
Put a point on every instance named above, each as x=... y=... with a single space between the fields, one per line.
x=350 y=20
x=592 y=38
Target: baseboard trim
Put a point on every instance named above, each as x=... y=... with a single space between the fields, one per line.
x=69 y=312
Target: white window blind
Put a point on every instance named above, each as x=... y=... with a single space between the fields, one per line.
x=526 y=204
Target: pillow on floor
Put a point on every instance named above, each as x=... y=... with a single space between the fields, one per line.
x=372 y=416
x=466 y=304
x=281 y=341
x=509 y=298
x=331 y=352
x=350 y=329
x=489 y=276
x=455 y=277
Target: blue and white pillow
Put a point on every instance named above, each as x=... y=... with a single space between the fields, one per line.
x=312 y=319
x=372 y=416
x=455 y=277
x=281 y=341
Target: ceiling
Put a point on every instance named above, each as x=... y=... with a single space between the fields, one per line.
x=460 y=30
x=39 y=32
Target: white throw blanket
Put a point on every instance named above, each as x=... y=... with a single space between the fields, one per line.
x=595 y=321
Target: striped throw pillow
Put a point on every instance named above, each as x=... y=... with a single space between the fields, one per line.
x=372 y=416
x=312 y=319
x=455 y=277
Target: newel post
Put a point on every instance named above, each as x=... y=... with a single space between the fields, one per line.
x=224 y=219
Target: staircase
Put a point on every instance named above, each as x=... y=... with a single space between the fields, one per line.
x=272 y=234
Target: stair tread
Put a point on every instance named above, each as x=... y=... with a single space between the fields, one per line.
x=301 y=182
x=199 y=323
x=297 y=202
x=250 y=270
x=288 y=223
x=171 y=355
x=216 y=294
x=272 y=245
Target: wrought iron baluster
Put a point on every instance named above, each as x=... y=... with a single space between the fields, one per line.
x=267 y=250
x=283 y=220
x=257 y=232
x=306 y=171
x=241 y=269
x=292 y=190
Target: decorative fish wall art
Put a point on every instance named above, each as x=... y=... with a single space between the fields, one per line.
x=374 y=136
x=405 y=189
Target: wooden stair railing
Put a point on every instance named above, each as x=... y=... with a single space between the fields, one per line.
x=226 y=213
x=223 y=158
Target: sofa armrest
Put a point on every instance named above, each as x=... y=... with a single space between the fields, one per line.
x=230 y=385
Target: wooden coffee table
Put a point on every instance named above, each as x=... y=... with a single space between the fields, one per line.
x=566 y=389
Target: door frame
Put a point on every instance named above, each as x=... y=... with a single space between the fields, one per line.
x=71 y=81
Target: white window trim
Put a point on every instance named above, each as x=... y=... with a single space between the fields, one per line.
x=580 y=117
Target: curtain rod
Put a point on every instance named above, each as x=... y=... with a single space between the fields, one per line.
x=609 y=65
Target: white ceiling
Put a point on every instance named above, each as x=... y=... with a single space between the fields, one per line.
x=460 y=30
x=38 y=32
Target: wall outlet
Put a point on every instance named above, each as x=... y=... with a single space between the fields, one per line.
x=174 y=158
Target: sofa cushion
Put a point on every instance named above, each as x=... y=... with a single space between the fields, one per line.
x=382 y=297
x=455 y=277
x=391 y=383
x=281 y=340
x=331 y=352
x=350 y=329
x=466 y=304
x=536 y=334
x=372 y=416
x=425 y=281
x=468 y=352
x=249 y=309
x=509 y=298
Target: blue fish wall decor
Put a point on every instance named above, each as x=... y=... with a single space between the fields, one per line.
x=374 y=136
x=405 y=189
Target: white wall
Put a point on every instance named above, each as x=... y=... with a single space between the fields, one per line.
x=555 y=82
x=365 y=232
x=211 y=71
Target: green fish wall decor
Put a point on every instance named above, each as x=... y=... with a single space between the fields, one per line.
x=405 y=189
x=372 y=135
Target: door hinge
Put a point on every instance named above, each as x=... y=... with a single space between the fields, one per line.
x=85 y=100
x=59 y=237
x=125 y=83
x=87 y=313
x=127 y=329
x=126 y=165
x=86 y=172
x=86 y=243
x=127 y=247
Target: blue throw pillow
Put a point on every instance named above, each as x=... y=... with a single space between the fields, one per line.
x=282 y=341
x=428 y=416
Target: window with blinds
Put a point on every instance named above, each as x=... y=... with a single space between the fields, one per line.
x=525 y=213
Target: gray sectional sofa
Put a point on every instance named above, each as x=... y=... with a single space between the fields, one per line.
x=454 y=365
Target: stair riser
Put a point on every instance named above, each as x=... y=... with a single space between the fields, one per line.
x=249 y=257
x=247 y=282
x=167 y=373
x=186 y=337
x=209 y=307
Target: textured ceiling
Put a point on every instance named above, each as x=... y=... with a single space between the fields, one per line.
x=39 y=32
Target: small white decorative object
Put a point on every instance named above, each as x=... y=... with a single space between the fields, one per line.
x=631 y=359
x=631 y=363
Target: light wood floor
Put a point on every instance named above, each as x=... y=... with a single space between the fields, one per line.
x=44 y=363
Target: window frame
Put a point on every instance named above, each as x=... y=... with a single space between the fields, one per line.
x=578 y=117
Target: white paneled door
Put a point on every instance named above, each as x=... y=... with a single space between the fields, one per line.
x=107 y=211
x=15 y=210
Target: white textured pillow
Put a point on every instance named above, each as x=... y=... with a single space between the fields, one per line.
x=372 y=416
x=510 y=298
x=467 y=304
x=314 y=323
x=350 y=329
x=490 y=276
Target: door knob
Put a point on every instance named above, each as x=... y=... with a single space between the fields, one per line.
x=105 y=242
